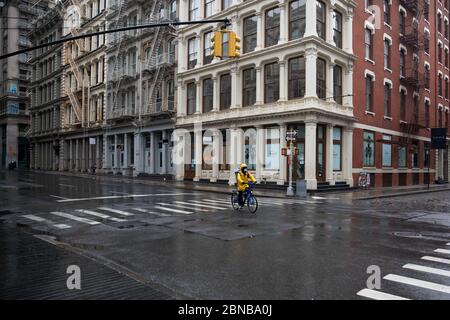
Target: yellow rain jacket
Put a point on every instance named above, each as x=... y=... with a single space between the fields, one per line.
x=242 y=179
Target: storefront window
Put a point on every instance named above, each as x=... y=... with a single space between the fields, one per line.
x=426 y=156
x=272 y=152
x=415 y=155
x=387 y=152
x=224 y=163
x=369 y=149
x=207 y=151
x=250 y=148
x=337 y=148
x=402 y=157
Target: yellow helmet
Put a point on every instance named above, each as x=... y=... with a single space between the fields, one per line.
x=243 y=166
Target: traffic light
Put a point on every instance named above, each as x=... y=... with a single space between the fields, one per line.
x=235 y=46
x=216 y=44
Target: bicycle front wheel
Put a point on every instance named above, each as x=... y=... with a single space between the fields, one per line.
x=252 y=204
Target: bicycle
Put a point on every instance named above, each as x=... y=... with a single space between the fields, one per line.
x=249 y=200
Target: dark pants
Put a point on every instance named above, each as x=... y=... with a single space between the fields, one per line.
x=241 y=198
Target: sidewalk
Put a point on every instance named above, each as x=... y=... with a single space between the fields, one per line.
x=355 y=194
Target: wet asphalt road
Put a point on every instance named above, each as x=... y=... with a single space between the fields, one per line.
x=191 y=244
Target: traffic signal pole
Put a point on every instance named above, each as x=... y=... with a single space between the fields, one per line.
x=142 y=26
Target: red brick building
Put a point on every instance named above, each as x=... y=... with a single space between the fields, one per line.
x=401 y=89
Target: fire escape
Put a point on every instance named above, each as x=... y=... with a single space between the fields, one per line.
x=410 y=77
x=75 y=93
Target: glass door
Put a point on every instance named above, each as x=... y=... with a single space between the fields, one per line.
x=321 y=153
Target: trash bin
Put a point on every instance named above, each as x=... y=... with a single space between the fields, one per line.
x=301 y=189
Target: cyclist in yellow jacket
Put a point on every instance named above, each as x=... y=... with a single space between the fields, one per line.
x=243 y=177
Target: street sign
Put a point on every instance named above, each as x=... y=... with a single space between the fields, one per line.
x=438 y=138
x=291 y=135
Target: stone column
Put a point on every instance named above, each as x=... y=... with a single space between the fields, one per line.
x=138 y=154
x=259 y=152
x=347 y=40
x=233 y=154
x=198 y=147
x=347 y=155
x=310 y=155
x=116 y=153
x=329 y=25
x=347 y=86
x=260 y=31
x=330 y=82
x=259 y=86
x=311 y=67
x=12 y=145
x=283 y=163
x=283 y=82
x=70 y=158
x=125 y=151
x=179 y=154
x=164 y=152
x=77 y=155
x=181 y=99
x=152 y=152
x=217 y=140
x=284 y=22
x=199 y=100
x=98 y=153
x=311 y=17
x=236 y=99
x=216 y=94
x=329 y=155
x=83 y=155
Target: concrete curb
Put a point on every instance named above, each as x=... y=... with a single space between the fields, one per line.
x=407 y=193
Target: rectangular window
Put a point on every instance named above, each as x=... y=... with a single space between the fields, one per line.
x=192 y=55
x=225 y=91
x=296 y=78
x=207 y=94
x=250 y=34
x=249 y=87
x=415 y=154
x=207 y=51
x=402 y=157
x=387 y=11
x=402 y=63
x=271 y=82
x=209 y=8
x=387 y=54
x=191 y=98
x=272 y=154
x=337 y=29
x=402 y=22
x=170 y=94
x=402 y=105
x=337 y=84
x=387 y=100
x=321 y=78
x=297 y=19
x=368 y=44
x=337 y=148
x=272 y=27
x=321 y=19
x=226 y=4
x=369 y=93
x=193 y=9
x=369 y=149
x=387 y=151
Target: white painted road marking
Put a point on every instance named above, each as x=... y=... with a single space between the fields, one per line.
x=427 y=269
x=100 y=215
x=200 y=205
x=124 y=213
x=124 y=196
x=72 y=217
x=442 y=251
x=378 y=295
x=182 y=206
x=217 y=201
x=58 y=197
x=151 y=212
x=209 y=205
x=172 y=210
x=418 y=283
x=39 y=219
x=436 y=259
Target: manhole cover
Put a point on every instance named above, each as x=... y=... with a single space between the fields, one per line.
x=408 y=234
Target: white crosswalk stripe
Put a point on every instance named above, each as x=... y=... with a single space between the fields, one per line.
x=183 y=207
x=173 y=210
x=418 y=283
x=47 y=221
x=100 y=215
x=151 y=212
x=436 y=259
x=427 y=269
x=442 y=251
x=217 y=201
x=121 y=212
x=378 y=295
x=201 y=205
x=73 y=217
x=209 y=205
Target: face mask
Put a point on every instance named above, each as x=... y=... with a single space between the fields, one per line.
x=244 y=171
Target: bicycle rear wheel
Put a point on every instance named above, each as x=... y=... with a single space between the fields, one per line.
x=235 y=201
x=252 y=204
